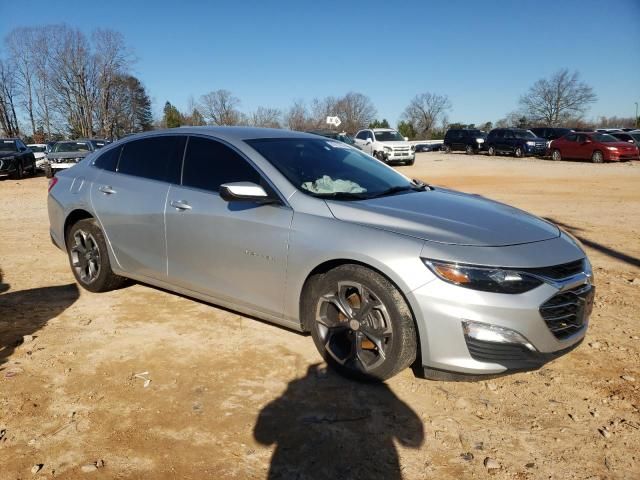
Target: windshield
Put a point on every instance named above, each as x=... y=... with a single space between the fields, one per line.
x=8 y=146
x=330 y=169
x=523 y=134
x=603 y=138
x=71 y=147
x=37 y=148
x=391 y=136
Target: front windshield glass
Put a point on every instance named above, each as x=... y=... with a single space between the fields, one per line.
x=391 y=136
x=8 y=146
x=603 y=138
x=330 y=169
x=71 y=147
x=523 y=134
x=37 y=148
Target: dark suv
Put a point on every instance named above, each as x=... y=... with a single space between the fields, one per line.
x=471 y=141
x=15 y=158
x=515 y=141
x=550 y=133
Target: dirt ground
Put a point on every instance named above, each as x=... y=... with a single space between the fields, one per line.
x=233 y=397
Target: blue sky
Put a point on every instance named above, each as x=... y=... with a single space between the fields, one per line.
x=483 y=55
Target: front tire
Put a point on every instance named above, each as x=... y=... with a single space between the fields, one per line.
x=556 y=155
x=518 y=152
x=19 y=173
x=491 y=151
x=597 y=157
x=89 y=257
x=380 y=156
x=360 y=323
x=48 y=171
x=469 y=150
x=447 y=149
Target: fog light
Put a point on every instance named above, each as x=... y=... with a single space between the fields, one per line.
x=492 y=333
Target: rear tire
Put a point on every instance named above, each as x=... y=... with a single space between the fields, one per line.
x=19 y=173
x=556 y=155
x=597 y=157
x=360 y=323
x=89 y=257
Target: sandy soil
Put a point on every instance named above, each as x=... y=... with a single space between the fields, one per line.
x=233 y=397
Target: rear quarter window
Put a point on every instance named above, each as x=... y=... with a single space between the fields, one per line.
x=109 y=159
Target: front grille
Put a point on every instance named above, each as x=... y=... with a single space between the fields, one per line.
x=558 y=272
x=541 y=145
x=565 y=312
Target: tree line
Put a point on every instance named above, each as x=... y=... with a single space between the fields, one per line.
x=66 y=83
x=63 y=83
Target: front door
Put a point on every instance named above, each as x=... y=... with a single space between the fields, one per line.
x=233 y=251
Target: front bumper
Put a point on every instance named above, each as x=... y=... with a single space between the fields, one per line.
x=442 y=309
x=540 y=150
x=399 y=157
x=7 y=167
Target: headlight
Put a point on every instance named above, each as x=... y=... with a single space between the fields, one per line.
x=388 y=149
x=531 y=143
x=480 y=140
x=485 y=279
x=612 y=148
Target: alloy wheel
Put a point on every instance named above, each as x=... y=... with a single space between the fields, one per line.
x=556 y=155
x=85 y=256
x=597 y=157
x=355 y=326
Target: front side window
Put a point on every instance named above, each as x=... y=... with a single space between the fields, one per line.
x=37 y=148
x=209 y=163
x=361 y=135
x=154 y=158
x=329 y=169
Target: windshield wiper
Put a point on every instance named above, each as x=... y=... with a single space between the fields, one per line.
x=416 y=187
x=341 y=195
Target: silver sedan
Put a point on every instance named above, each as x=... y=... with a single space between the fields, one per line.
x=312 y=234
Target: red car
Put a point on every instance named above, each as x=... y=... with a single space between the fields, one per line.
x=594 y=146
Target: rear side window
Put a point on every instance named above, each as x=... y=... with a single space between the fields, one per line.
x=571 y=138
x=208 y=164
x=154 y=158
x=109 y=159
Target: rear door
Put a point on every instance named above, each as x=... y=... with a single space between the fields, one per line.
x=233 y=251
x=129 y=201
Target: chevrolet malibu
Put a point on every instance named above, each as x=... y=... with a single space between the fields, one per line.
x=312 y=234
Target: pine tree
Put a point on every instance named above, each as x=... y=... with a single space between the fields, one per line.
x=172 y=117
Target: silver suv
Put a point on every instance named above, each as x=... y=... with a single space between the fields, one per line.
x=314 y=235
x=386 y=144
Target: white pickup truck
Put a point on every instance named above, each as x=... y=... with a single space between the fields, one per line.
x=386 y=144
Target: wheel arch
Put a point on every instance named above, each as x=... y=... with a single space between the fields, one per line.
x=72 y=218
x=328 y=265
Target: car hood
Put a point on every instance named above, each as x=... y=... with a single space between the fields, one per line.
x=67 y=155
x=446 y=216
x=621 y=145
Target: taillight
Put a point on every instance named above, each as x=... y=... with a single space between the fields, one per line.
x=52 y=183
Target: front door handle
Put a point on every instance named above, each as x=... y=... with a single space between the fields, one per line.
x=106 y=189
x=180 y=205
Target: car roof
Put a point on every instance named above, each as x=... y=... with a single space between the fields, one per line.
x=226 y=133
x=384 y=130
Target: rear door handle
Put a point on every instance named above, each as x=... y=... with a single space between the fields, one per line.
x=106 y=189
x=180 y=205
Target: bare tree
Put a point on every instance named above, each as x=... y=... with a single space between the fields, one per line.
x=265 y=117
x=425 y=111
x=297 y=117
x=8 y=118
x=220 y=108
x=559 y=99
x=356 y=111
x=20 y=43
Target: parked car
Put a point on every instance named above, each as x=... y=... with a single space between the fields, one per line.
x=340 y=136
x=40 y=153
x=16 y=159
x=594 y=146
x=67 y=154
x=468 y=140
x=515 y=141
x=629 y=137
x=383 y=271
x=387 y=145
x=427 y=147
x=550 y=133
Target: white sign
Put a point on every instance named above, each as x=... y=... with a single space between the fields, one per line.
x=334 y=121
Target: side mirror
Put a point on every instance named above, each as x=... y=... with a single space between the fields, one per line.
x=368 y=141
x=587 y=140
x=244 y=192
